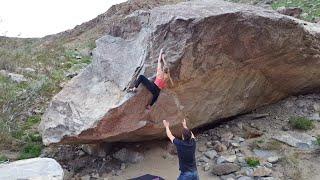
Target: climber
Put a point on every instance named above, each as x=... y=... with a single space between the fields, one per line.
x=186 y=152
x=163 y=75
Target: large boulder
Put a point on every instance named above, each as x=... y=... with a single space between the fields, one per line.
x=225 y=59
x=35 y=168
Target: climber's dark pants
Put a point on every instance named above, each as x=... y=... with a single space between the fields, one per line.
x=153 y=88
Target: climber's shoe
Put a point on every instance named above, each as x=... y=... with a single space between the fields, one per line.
x=148 y=107
x=132 y=90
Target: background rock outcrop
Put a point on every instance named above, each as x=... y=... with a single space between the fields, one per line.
x=225 y=59
x=35 y=168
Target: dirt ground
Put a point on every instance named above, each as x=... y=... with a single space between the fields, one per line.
x=294 y=164
x=155 y=164
x=257 y=129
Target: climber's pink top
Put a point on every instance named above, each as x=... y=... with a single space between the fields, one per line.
x=161 y=83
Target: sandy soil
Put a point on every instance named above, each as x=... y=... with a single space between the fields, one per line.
x=295 y=165
x=155 y=164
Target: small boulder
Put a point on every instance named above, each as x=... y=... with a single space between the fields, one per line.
x=228 y=177
x=294 y=12
x=210 y=154
x=85 y=177
x=289 y=104
x=35 y=168
x=304 y=15
x=99 y=150
x=29 y=70
x=267 y=164
x=246 y=171
x=206 y=167
x=223 y=169
x=202 y=148
x=239 y=139
x=126 y=155
x=273 y=159
x=37 y=111
x=240 y=125
x=80 y=153
x=204 y=159
x=245 y=178
x=301 y=103
x=71 y=74
x=3 y=72
x=235 y=144
x=267 y=178
x=226 y=136
x=264 y=154
x=316 y=107
x=241 y=160
x=268 y=1
x=315 y=116
x=209 y=144
x=123 y=166
x=67 y=174
x=229 y=159
x=18 y=78
x=262 y=171
x=219 y=147
x=26 y=70
x=285 y=128
x=296 y=139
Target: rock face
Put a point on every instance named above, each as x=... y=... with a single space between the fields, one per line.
x=18 y=78
x=36 y=168
x=223 y=169
x=294 y=12
x=299 y=140
x=225 y=59
x=126 y=155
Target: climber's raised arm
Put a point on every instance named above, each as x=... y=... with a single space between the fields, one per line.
x=166 y=69
x=163 y=60
x=168 y=132
x=169 y=76
x=159 y=66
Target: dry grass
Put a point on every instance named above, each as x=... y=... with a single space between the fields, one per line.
x=290 y=164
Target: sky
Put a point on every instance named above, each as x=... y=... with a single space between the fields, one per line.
x=38 y=18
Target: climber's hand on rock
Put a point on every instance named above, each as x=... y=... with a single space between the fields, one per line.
x=163 y=56
x=161 y=51
x=165 y=123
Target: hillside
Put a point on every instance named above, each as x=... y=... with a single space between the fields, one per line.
x=52 y=57
x=48 y=63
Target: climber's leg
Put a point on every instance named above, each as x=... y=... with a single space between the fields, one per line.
x=141 y=79
x=155 y=96
x=150 y=86
x=145 y=81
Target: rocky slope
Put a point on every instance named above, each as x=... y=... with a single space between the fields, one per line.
x=223 y=150
x=225 y=58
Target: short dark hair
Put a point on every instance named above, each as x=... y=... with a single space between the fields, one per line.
x=186 y=134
